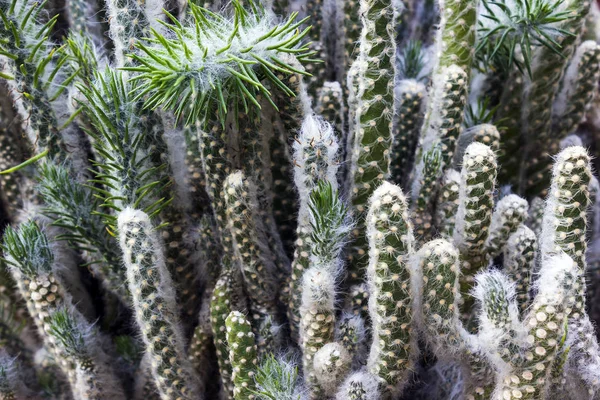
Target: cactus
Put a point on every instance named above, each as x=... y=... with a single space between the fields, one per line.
x=152 y=296
x=519 y=262
x=474 y=213
x=393 y=350
x=242 y=354
x=158 y=185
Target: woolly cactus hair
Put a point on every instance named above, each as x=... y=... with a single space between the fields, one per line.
x=277 y=378
x=519 y=262
x=242 y=355
x=390 y=304
x=438 y=263
x=498 y=316
x=545 y=322
x=447 y=203
x=474 y=215
x=350 y=333
x=153 y=299
x=359 y=386
x=318 y=320
x=510 y=212
x=315 y=158
x=331 y=365
x=16 y=380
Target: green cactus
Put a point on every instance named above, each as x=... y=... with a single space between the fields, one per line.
x=152 y=295
x=510 y=212
x=474 y=213
x=519 y=262
x=372 y=134
x=242 y=355
x=393 y=350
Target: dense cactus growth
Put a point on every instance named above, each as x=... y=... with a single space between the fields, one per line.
x=304 y=199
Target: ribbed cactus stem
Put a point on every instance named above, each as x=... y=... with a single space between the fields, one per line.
x=358 y=299
x=216 y=164
x=389 y=230
x=565 y=216
x=510 y=212
x=447 y=203
x=511 y=141
x=579 y=86
x=330 y=105
x=547 y=71
x=373 y=132
x=315 y=159
x=220 y=307
x=350 y=333
x=438 y=262
x=195 y=178
x=152 y=294
x=10 y=183
x=483 y=133
x=408 y=116
x=359 y=386
x=331 y=365
x=536 y=215
x=519 y=262
x=318 y=321
x=545 y=324
x=258 y=269
x=422 y=210
x=445 y=113
x=242 y=355
x=474 y=215
x=456 y=35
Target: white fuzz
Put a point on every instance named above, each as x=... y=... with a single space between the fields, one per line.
x=367 y=382
x=331 y=364
x=318 y=289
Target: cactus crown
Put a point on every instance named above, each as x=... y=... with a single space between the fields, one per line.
x=27 y=249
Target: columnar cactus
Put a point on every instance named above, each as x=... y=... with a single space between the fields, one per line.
x=372 y=133
x=510 y=212
x=578 y=89
x=519 y=262
x=315 y=158
x=393 y=350
x=318 y=320
x=447 y=203
x=242 y=355
x=152 y=295
x=220 y=308
x=474 y=213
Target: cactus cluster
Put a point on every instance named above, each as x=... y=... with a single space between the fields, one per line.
x=294 y=200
